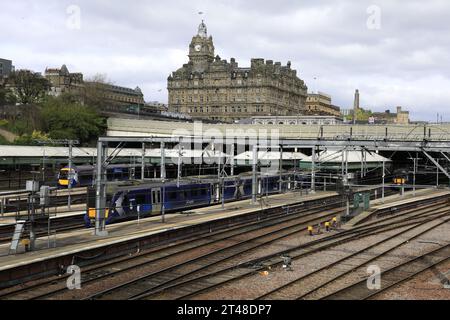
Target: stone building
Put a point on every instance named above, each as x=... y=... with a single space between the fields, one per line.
x=155 y=106
x=402 y=116
x=208 y=87
x=121 y=96
x=62 y=81
x=298 y=120
x=319 y=104
x=387 y=117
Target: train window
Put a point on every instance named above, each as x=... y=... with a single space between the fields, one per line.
x=194 y=192
x=203 y=192
x=140 y=199
x=125 y=201
x=159 y=196
x=186 y=194
x=64 y=175
x=172 y=195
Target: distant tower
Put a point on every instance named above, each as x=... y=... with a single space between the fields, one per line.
x=201 y=49
x=355 y=106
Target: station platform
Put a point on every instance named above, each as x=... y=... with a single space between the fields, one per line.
x=54 y=213
x=71 y=243
x=6 y=221
x=395 y=200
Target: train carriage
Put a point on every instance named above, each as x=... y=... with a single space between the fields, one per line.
x=83 y=176
x=401 y=177
x=126 y=202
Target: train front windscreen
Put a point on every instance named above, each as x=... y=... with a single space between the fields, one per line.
x=63 y=179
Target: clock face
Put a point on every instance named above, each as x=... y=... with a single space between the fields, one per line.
x=198 y=47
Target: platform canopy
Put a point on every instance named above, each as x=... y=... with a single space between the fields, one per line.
x=352 y=156
x=34 y=154
x=332 y=159
x=271 y=155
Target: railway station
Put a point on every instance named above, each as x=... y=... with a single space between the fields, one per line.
x=204 y=211
x=214 y=159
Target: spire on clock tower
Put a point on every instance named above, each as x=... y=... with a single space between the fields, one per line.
x=202 y=30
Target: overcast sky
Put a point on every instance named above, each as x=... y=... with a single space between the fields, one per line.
x=394 y=52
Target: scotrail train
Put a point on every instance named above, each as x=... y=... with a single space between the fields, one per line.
x=125 y=202
x=83 y=176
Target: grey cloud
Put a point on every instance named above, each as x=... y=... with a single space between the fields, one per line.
x=406 y=62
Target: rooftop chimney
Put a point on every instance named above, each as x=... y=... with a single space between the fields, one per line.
x=355 y=105
x=356 y=102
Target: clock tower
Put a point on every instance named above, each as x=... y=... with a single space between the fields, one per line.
x=201 y=49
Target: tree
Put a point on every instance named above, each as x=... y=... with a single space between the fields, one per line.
x=7 y=97
x=71 y=120
x=94 y=91
x=361 y=115
x=2 y=97
x=27 y=139
x=29 y=87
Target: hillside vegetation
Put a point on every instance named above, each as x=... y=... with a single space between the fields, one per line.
x=55 y=118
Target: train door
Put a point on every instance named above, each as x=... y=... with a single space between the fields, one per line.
x=216 y=192
x=156 y=200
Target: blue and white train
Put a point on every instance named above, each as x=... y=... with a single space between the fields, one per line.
x=126 y=202
x=83 y=176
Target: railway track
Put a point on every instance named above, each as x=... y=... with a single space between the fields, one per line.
x=317 y=280
x=201 y=272
x=394 y=276
x=195 y=284
x=295 y=221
